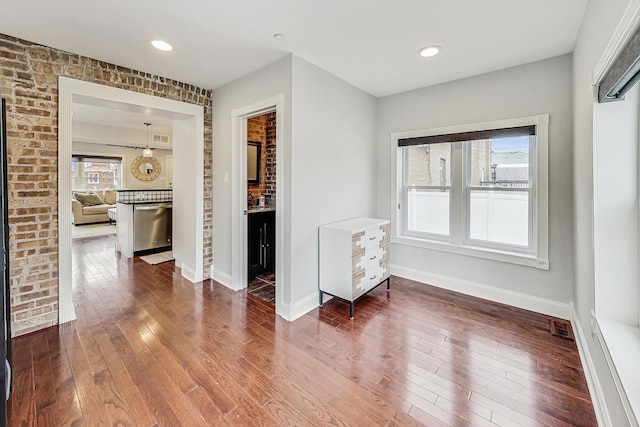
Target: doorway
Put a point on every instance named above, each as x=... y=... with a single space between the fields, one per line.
x=239 y=218
x=261 y=206
x=188 y=125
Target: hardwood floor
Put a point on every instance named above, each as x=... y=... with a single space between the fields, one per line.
x=151 y=349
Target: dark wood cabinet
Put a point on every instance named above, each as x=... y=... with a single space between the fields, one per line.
x=261 y=243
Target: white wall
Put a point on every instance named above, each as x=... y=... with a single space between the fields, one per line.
x=263 y=84
x=333 y=164
x=328 y=172
x=188 y=202
x=599 y=24
x=616 y=209
x=527 y=90
x=128 y=155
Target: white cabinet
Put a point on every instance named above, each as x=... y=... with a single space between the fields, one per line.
x=354 y=258
x=124 y=229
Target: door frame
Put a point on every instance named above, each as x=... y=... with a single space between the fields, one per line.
x=192 y=260
x=239 y=118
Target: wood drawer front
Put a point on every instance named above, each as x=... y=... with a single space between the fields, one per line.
x=369 y=257
x=373 y=236
x=369 y=278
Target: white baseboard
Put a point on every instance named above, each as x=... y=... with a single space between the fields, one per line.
x=221 y=277
x=595 y=390
x=188 y=273
x=298 y=309
x=503 y=296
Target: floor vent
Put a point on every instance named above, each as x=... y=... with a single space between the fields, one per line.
x=561 y=328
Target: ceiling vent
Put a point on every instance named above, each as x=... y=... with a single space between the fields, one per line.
x=160 y=139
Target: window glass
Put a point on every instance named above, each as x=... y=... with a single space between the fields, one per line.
x=428 y=188
x=498 y=213
x=428 y=211
x=88 y=174
x=502 y=162
x=428 y=165
x=499 y=216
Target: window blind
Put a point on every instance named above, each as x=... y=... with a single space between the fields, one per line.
x=623 y=74
x=469 y=136
x=95 y=159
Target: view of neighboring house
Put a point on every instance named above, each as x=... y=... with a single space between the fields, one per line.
x=88 y=175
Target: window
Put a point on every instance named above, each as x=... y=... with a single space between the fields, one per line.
x=93 y=178
x=478 y=190
x=428 y=189
x=96 y=173
x=499 y=209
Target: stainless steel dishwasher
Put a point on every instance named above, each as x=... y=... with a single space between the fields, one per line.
x=152 y=226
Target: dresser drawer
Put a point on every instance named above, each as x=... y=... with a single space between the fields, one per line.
x=370 y=278
x=369 y=257
x=374 y=236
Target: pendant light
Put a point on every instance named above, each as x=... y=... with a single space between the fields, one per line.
x=147 y=152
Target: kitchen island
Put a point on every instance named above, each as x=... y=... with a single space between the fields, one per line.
x=144 y=223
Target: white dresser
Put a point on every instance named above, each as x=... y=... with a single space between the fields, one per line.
x=354 y=258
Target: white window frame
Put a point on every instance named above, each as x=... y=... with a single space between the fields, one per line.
x=536 y=256
x=93 y=177
x=530 y=189
x=450 y=188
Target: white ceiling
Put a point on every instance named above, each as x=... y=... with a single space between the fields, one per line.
x=106 y=113
x=371 y=44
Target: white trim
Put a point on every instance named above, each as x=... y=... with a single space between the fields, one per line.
x=485 y=253
x=630 y=372
x=221 y=277
x=239 y=117
x=628 y=24
x=66 y=311
x=166 y=175
x=188 y=273
x=540 y=259
x=503 y=296
x=68 y=89
x=238 y=201
x=590 y=373
x=298 y=309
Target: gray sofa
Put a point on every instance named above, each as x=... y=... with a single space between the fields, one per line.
x=87 y=211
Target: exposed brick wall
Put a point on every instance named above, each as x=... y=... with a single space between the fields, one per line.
x=29 y=81
x=270 y=160
x=262 y=129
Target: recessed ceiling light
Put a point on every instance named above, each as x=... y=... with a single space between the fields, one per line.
x=161 y=45
x=429 y=51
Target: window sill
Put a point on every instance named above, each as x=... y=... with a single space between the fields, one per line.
x=621 y=344
x=528 y=260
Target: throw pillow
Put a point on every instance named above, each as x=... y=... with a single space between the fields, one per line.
x=89 y=199
x=110 y=197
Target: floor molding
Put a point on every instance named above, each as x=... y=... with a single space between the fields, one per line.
x=503 y=296
x=221 y=277
x=595 y=389
x=298 y=309
x=189 y=274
